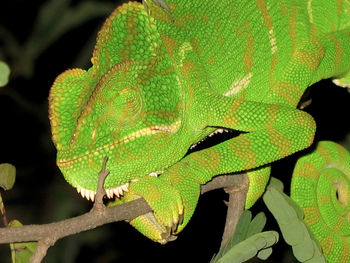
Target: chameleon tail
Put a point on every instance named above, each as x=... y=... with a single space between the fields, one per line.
x=321 y=187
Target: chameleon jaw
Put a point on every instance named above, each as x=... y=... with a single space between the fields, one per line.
x=110 y=193
x=90 y=194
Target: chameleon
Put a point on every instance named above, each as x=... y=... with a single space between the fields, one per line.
x=167 y=74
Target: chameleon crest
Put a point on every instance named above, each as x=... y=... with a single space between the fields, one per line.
x=167 y=74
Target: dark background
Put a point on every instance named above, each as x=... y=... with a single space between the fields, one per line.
x=41 y=195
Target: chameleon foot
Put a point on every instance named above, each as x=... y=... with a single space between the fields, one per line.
x=161 y=225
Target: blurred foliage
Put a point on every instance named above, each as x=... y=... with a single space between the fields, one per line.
x=7 y=176
x=4 y=74
x=54 y=19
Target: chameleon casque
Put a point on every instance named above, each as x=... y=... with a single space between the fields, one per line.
x=166 y=75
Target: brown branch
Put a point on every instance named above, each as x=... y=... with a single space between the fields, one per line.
x=41 y=249
x=98 y=204
x=235 y=205
x=93 y=218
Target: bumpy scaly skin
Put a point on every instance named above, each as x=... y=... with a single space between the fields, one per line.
x=320 y=186
x=165 y=77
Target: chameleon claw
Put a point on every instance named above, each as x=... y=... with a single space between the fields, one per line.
x=166 y=237
x=174 y=227
x=181 y=219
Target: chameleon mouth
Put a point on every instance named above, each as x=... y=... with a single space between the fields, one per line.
x=110 y=193
x=172 y=128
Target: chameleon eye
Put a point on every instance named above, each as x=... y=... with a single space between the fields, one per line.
x=117 y=99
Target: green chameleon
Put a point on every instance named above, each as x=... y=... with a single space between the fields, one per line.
x=166 y=75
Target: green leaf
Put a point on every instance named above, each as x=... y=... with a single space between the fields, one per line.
x=21 y=252
x=4 y=74
x=276 y=183
x=7 y=175
x=265 y=253
x=248 y=248
x=241 y=228
x=289 y=217
x=246 y=227
x=257 y=224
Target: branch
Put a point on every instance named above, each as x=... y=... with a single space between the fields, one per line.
x=235 y=205
x=94 y=218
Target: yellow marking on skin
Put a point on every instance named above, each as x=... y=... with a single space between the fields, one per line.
x=273 y=66
x=291 y=23
x=249 y=49
x=283 y=143
x=205 y=18
x=273 y=41
x=196 y=46
x=268 y=23
x=324 y=152
x=327 y=245
x=246 y=153
x=341 y=153
x=239 y=85
x=339 y=224
x=211 y=61
x=93 y=134
x=186 y=46
x=272 y=112
x=312 y=214
x=143 y=132
x=307 y=170
x=210 y=156
x=344 y=256
x=231 y=117
x=183 y=20
x=177 y=176
x=338 y=51
x=187 y=68
x=220 y=40
x=339 y=7
x=309 y=11
x=288 y=91
x=170 y=44
x=324 y=199
x=311 y=61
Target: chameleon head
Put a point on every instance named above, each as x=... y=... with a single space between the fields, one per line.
x=131 y=117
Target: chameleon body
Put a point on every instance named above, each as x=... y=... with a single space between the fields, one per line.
x=166 y=75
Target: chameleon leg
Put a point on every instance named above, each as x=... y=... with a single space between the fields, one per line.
x=244 y=152
x=271 y=138
x=321 y=187
x=185 y=175
x=162 y=222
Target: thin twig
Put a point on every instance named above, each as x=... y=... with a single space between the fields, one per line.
x=98 y=205
x=235 y=205
x=3 y=212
